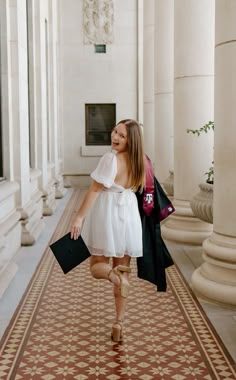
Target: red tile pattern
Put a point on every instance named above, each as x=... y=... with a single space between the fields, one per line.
x=61 y=330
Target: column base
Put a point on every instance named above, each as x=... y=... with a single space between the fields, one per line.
x=49 y=201
x=31 y=220
x=215 y=280
x=183 y=227
x=59 y=185
x=9 y=244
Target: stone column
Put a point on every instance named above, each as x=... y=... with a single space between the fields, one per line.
x=216 y=278
x=148 y=78
x=10 y=227
x=164 y=87
x=193 y=107
x=140 y=58
x=42 y=122
x=54 y=97
x=10 y=233
x=29 y=203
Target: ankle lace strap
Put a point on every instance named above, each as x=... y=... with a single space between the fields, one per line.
x=119 y=322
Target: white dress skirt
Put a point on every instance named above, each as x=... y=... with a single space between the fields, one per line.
x=112 y=227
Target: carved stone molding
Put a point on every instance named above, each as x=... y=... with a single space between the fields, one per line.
x=202 y=203
x=98 y=21
x=183 y=227
x=168 y=184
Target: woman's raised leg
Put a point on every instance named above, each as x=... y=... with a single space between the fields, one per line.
x=101 y=269
x=120 y=301
x=118 y=273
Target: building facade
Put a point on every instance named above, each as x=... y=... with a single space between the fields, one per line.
x=71 y=69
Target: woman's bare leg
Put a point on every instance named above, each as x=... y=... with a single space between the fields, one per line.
x=101 y=269
x=120 y=302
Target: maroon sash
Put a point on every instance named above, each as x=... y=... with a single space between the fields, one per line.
x=148 y=193
x=165 y=206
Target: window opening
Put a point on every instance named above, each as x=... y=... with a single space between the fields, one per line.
x=100 y=120
x=100 y=48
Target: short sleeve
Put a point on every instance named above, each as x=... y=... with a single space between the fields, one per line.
x=106 y=170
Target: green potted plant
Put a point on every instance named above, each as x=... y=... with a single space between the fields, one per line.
x=202 y=202
x=205 y=129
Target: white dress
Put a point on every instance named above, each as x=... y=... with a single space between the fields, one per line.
x=113 y=227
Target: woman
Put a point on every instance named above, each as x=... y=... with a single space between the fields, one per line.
x=112 y=226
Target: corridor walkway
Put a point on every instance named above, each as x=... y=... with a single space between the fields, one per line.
x=61 y=328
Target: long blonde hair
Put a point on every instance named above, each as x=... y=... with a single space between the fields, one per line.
x=135 y=153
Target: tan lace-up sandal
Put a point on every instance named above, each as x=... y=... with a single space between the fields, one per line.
x=124 y=283
x=117 y=333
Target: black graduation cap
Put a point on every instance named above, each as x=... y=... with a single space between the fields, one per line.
x=69 y=252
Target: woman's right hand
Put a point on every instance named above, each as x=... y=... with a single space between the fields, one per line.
x=87 y=203
x=76 y=227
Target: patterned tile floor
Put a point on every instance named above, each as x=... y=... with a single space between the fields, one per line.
x=61 y=329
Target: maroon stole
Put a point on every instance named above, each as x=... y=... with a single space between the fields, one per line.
x=148 y=192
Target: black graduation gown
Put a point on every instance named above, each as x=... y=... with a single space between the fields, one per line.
x=156 y=257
